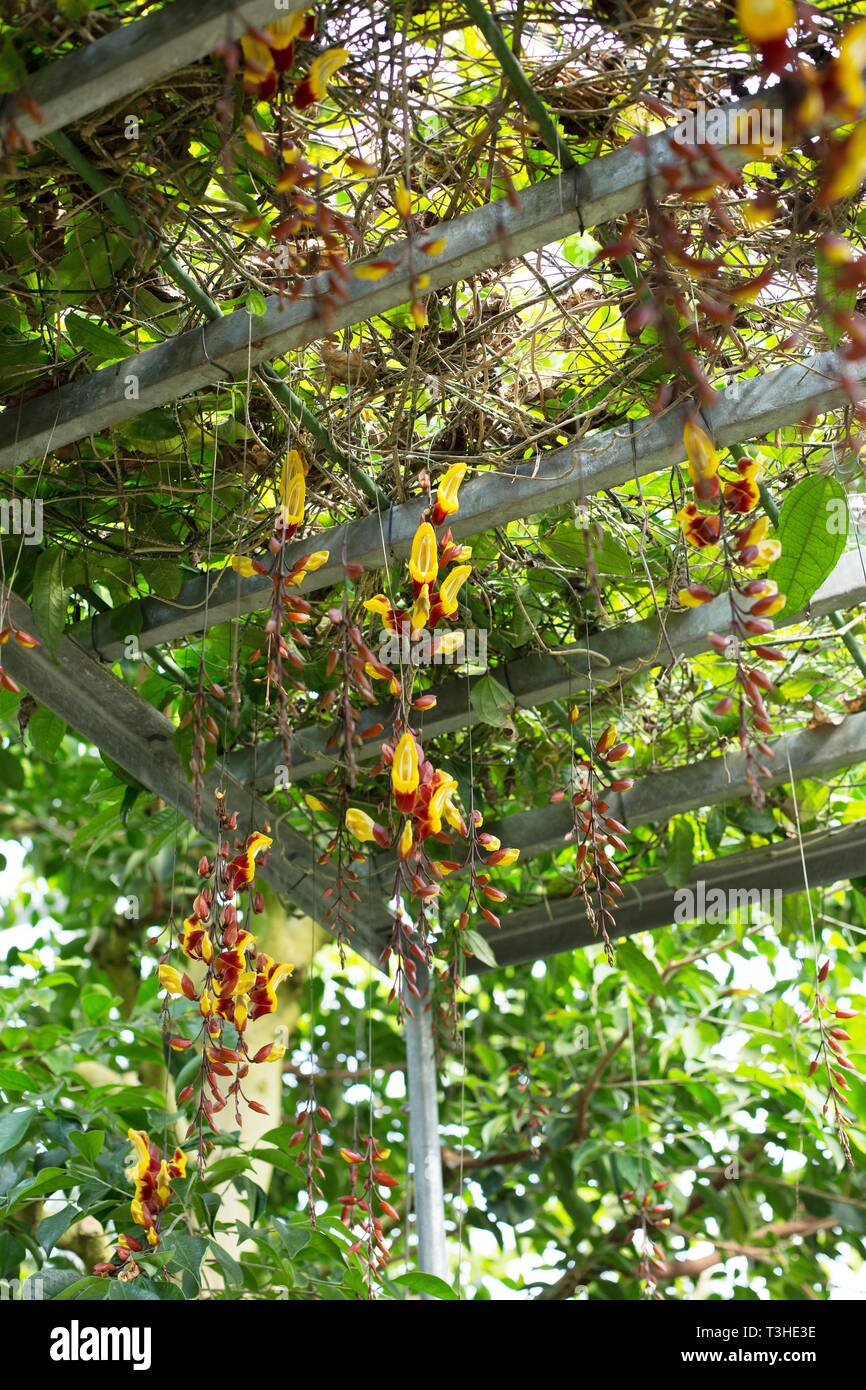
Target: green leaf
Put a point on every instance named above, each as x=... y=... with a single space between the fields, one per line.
x=46 y=732
x=52 y=1227
x=50 y=597
x=491 y=701
x=13 y=1127
x=99 y=342
x=11 y=771
x=164 y=576
x=89 y=1144
x=294 y=1238
x=639 y=968
x=580 y=248
x=12 y=70
x=185 y=1251
x=418 y=1282
x=715 y=827
x=475 y=944
x=256 y=303
x=567 y=545
x=680 y=853
x=811 y=537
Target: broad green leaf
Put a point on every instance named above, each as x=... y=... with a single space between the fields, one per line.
x=89 y=1144
x=418 y=1282
x=46 y=732
x=475 y=944
x=101 y=343
x=12 y=70
x=567 y=545
x=184 y=1251
x=680 y=853
x=811 y=537
x=13 y=1127
x=164 y=576
x=52 y=1227
x=639 y=968
x=491 y=701
x=11 y=771
x=50 y=597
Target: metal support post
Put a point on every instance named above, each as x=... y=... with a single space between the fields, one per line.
x=424 y=1135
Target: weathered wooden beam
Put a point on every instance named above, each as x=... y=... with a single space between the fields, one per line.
x=658 y=796
x=747 y=409
x=128 y=730
x=130 y=59
x=560 y=924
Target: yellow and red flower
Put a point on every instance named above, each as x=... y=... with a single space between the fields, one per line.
x=315 y=84
x=699 y=528
x=446 y=503
x=744 y=494
x=424 y=556
x=695 y=595
x=363 y=828
x=405 y=776
x=263 y=995
x=269 y=51
x=763 y=21
x=242 y=869
x=849 y=67
x=703 y=462
x=152 y=1179
x=449 y=589
x=293 y=491
x=754 y=550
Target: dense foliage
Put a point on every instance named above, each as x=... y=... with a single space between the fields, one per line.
x=638 y=1118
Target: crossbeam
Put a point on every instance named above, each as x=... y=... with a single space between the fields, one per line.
x=560 y=924
x=617 y=654
x=594 y=192
x=141 y=740
x=133 y=57
x=659 y=796
x=748 y=409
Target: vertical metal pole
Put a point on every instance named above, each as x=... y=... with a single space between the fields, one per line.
x=424 y=1135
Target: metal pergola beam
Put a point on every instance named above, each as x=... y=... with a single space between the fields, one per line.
x=617 y=654
x=748 y=409
x=130 y=731
x=659 y=796
x=594 y=192
x=133 y=57
x=560 y=924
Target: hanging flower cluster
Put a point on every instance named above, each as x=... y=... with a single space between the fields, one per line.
x=289 y=611
x=649 y=1215
x=152 y=1178
x=358 y=1206
x=830 y=1052
x=731 y=494
x=264 y=61
x=597 y=835
x=307 y=1138
x=818 y=97
x=240 y=981
x=685 y=296
x=425 y=798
